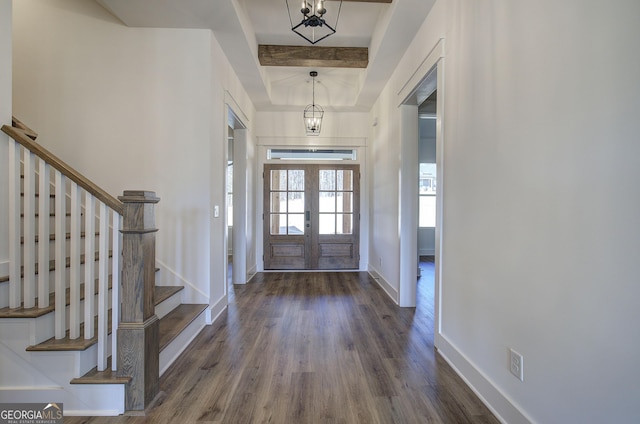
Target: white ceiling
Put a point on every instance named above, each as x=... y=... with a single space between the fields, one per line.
x=240 y=25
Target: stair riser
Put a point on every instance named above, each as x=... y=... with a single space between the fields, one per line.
x=45 y=376
x=18 y=333
x=43 y=328
x=168 y=305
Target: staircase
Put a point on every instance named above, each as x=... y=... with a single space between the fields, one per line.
x=69 y=287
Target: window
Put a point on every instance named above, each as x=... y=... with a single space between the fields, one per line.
x=311 y=154
x=427 y=205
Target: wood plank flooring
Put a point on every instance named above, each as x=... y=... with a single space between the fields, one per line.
x=313 y=348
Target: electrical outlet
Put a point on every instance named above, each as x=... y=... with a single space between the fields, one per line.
x=516 y=364
x=216 y=211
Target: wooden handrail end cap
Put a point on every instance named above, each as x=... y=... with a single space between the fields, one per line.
x=139 y=196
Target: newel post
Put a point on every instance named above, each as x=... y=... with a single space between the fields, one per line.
x=138 y=338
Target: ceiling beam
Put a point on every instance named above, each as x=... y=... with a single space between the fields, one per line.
x=308 y=56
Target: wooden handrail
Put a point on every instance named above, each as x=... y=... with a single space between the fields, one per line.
x=21 y=136
x=16 y=123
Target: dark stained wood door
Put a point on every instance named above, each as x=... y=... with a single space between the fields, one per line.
x=312 y=216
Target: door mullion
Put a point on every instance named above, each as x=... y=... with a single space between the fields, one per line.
x=312 y=225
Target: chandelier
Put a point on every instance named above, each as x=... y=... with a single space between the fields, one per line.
x=313 y=113
x=313 y=26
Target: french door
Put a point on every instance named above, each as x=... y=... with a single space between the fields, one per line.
x=311 y=216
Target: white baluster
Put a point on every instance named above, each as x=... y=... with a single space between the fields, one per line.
x=103 y=287
x=75 y=314
x=115 y=287
x=43 y=235
x=15 y=252
x=89 y=266
x=60 y=274
x=29 y=233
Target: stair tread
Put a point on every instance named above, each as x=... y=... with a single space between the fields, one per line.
x=52 y=237
x=101 y=377
x=177 y=320
x=35 y=312
x=68 y=344
x=169 y=327
x=162 y=293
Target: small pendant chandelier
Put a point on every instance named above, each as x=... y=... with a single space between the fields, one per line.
x=313 y=26
x=313 y=113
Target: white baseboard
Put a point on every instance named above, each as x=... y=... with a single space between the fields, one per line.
x=384 y=284
x=251 y=272
x=497 y=402
x=214 y=311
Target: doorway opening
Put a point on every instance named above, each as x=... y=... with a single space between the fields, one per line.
x=427 y=187
x=427 y=192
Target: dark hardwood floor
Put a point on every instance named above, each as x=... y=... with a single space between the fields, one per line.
x=314 y=348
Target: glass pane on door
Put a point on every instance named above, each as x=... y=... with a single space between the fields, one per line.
x=335 y=206
x=287 y=202
x=278 y=180
x=296 y=202
x=327 y=180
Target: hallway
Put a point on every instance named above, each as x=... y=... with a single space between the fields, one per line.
x=314 y=348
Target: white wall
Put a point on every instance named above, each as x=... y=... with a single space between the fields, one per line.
x=5 y=119
x=541 y=209
x=134 y=108
x=335 y=126
x=384 y=163
x=251 y=207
